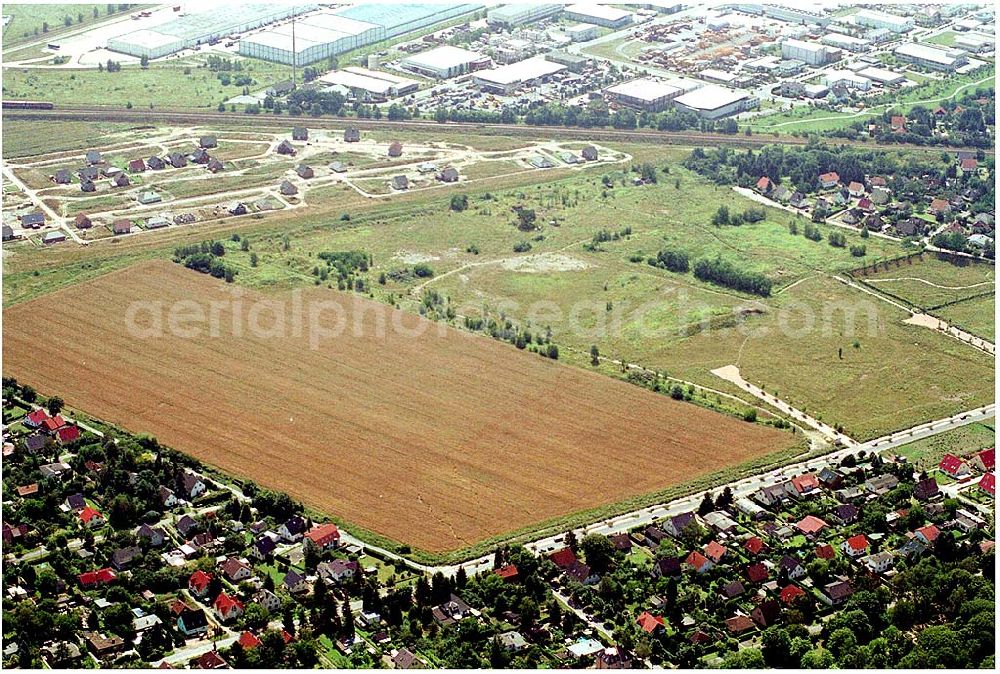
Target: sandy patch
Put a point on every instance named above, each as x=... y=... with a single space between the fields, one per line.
x=545 y=262
x=410 y=257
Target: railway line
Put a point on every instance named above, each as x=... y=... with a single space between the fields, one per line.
x=187 y=117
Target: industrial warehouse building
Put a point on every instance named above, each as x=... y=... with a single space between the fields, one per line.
x=582 y=32
x=644 y=94
x=812 y=53
x=444 y=62
x=510 y=16
x=600 y=15
x=882 y=76
x=975 y=42
x=509 y=78
x=893 y=22
x=370 y=85
x=935 y=58
x=330 y=33
x=846 y=42
x=201 y=27
x=713 y=102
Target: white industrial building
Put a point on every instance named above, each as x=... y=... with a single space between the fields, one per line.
x=935 y=58
x=370 y=85
x=718 y=76
x=582 y=32
x=893 y=22
x=975 y=42
x=845 y=42
x=509 y=78
x=510 y=16
x=444 y=62
x=846 y=78
x=713 y=102
x=601 y=15
x=882 y=76
x=644 y=94
x=148 y=43
x=812 y=53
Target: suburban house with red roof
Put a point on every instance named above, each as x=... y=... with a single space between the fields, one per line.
x=508 y=573
x=53 y=423
x=830 y=179
x=985 y=460
x=806 y=484
x=248 y=641
x=91 y=518
x=227 y=608
x=757 y=573
x=954 y=466
x=856 y=189
x=36 y=418
x=988 y=484
x=927 y=535
x=825 y=551
x=754 y=545
x=99 y=577
x=855 y=546
x=699 y=562
x=810 y=525
x=67 y=434
x=322 y=537
x=564 y=558
x=198 y=583
x=715 y=551
x=940 y=206
x=897 y=123
x=650 y=623
x=791 y=593
x=764 y=185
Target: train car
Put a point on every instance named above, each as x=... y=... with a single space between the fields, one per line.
x=27 y=105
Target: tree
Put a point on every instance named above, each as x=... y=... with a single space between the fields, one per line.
x=707 y=504
x=817 y=658
x=459 y=202
x=776 y=647
x=598 y=551
x=744 y=658
x=55 y=405
x=595 y=355
x=144 y=61
x=45 y=26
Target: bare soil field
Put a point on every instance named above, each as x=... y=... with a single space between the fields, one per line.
x=426 y=435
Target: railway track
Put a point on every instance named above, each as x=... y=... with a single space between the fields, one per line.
x=94 y=113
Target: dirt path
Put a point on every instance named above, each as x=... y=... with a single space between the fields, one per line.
x=925 y=281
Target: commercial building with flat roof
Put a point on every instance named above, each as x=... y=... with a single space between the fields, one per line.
x=601 y=15
x=846 y=78
x=370 y=85
x=644 y=94
x=509 y=78
x=846 y=42
x=442 y=62
x=582 y=32
x=975 y=42
x=882 y=76
x=873 y=19
x=811 y=52
x=713 y=102
x=510 y=16
x=935 y=58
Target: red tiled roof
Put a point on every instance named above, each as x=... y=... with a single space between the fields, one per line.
x=100 y=576
x=791 y=593
x=38 y=416
x=68 y=433
x=508 y=572
x=939 y=204
x=757 y=573
x=930 y=532
x=858 y=543
x=807 y=482
x=832 y=176
x=88 y=514
x=825 y=551
x=199 y=580
x=323 y=534
x=811 y=524
x=224 y=603
x=715 y=551
x=564 y=558
x=969 y=164
x=988 y=457
x=951 y=464
x=754 y=544
x=248 y=641
x=989 y=484
x=649 y=622
x=696 y=559
x=52 y=423
x=764 y=183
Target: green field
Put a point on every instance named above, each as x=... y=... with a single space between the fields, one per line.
x=977 y=315
x=37 y=21
x=964 y=440
x=21 y=138
x=946 y=38
x=931 y=280
x=174 y=86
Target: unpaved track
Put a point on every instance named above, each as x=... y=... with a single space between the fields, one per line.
x=439 y=441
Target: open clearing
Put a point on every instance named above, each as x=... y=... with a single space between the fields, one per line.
x=975 y=315
x=931 y=280
x=438 y=440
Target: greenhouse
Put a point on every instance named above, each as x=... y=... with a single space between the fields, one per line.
x=330 y=33
x=200 y=27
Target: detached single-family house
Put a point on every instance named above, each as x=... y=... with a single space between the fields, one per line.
x=940 y=207
x=152 y=535
x=285 y=148
x=954 y=466
x=926 y=490
x=199 y=582
x=845 y=513
x=828 y=180
x=235 y=570
x=294 y=583
x=792 y=567
x=322 y=537
x=699 y=562
x=155 y=163
x=62 y=177
x=337 y=571
x=855 y=546
x=304 y=171
x=856 y=189
x=200 y=156
x=34 y=220
x=649 y=623
x=400 y=183
x=121 y=180
x=449 y=175
x=53 y=237
x=192 y=622
x=137 y=165
x=837 y=592
x=227 y=608
x=177 y=160
x=121 y=226
x=288 y=189
x=879 y=562
x=589 y=153
x=91 y=519
x=396 y=149
x=300 y=133
x=208 y=142
x=82 y=221
x=292 y=529
x=94 y=157
x=214 y=165
x=352 y=135
x=811 y=526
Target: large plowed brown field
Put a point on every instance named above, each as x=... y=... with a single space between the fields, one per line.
x=438 y=440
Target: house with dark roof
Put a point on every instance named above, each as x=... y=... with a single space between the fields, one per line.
x=155 y=163
x=666 y=567
x=589 y=153
x=304 y=171
x=186 y=526
x=122 y=558
x=352 y=135
x=214 y=165
x=34 y=220
x=400 y=183
x=94 y=157
x=152 y=535
x=62 y=177
x=837 y=592
x=200 y=156
x=300 y=133
x=192 y=622
x=792 y=567
x=177 y=160
x=284 y=147
x=208 y=142
x=337 y=571
x=395 y=149
x=766 y=613
x=926 y=490
x=845 y=513
x=739 y=624
x=449 y=175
